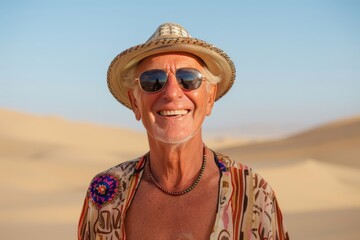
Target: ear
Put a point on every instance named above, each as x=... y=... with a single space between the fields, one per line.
x=211 y=99
x=134 y=104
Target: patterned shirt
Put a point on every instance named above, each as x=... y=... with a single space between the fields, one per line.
x=247 y=206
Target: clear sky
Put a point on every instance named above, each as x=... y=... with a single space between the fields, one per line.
x=298 y=62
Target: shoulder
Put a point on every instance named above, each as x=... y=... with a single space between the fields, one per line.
x=227 y=164
x=258 y=183
x=263 y=212
x=106 y=186
x=120 y=171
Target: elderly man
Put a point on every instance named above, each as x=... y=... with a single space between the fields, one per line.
x=180 y=189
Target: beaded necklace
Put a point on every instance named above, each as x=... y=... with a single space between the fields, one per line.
x=184 y=191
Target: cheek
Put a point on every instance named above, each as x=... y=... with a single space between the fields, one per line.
x=146 y=105
x=201 y=100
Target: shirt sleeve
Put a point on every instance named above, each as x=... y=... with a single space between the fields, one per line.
x=86 y=221
x=268 y=222
x=102 y=213
x=98 y=217
x=278 y=225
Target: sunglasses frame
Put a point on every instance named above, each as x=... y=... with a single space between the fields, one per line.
x=167 y=79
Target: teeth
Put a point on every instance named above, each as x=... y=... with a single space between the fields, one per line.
x=173 y=112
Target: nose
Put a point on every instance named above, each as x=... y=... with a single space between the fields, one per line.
x=172 y=89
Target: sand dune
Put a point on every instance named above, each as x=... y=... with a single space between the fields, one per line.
x=337 y=142
x=53 y=137
x=341 y=224
x=310 y=185
x=47 y=163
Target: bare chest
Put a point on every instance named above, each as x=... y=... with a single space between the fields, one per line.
x=155 y=215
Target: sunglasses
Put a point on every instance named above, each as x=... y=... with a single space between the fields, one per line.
x=154 y=80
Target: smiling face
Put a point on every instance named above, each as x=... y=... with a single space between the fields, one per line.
x=172 y=115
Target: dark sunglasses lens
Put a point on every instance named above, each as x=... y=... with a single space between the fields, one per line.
x=153 y=80
x=188 y=78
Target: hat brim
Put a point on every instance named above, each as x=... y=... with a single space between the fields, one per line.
x=214 y=58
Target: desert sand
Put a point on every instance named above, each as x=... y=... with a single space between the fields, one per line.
x=48 y=162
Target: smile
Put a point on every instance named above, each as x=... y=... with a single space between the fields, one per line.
x=174 y=113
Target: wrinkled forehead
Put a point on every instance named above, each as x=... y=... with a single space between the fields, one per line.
x=169 y=61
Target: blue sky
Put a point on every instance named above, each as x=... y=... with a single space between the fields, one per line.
x=298 y=62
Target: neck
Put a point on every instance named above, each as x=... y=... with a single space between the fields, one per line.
x=175 y=166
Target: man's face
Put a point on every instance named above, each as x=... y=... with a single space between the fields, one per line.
x=172 y=115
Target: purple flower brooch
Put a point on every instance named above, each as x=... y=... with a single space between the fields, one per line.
x=103 y=189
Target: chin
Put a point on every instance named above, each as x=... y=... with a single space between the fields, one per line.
x=163 y=136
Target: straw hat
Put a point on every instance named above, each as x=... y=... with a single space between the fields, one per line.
x=170 y=37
